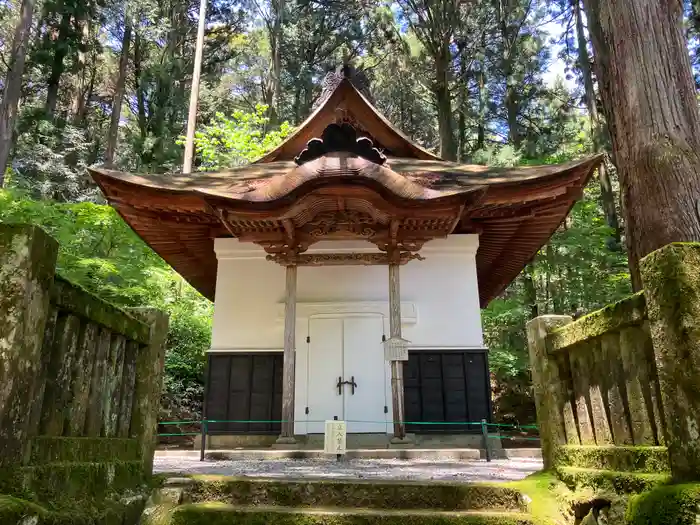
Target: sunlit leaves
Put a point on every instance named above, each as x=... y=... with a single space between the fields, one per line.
x=237 y=140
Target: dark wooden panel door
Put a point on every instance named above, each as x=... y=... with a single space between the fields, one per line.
x=245 y=390
x=446 y=387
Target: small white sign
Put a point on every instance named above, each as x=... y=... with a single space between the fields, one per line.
x=334 y=442
x=396 y=349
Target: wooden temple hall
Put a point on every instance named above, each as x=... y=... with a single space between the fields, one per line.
x=348 y=268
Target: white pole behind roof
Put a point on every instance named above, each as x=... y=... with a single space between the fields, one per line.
x=194 y=93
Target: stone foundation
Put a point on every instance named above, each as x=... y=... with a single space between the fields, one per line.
x=354 y=441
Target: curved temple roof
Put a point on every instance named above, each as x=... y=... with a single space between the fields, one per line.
x=380 y=185
x=514 y=210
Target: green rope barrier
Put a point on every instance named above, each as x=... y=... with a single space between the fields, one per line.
x=259 y=421
x=519 y=438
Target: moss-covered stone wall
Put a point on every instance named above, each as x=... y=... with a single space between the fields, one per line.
x=80 y=384
x=625 y=380
x=599 y=377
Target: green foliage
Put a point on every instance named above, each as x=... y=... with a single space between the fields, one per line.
x=99 y=252
x=238 y=140
x=574 y=273
x=670 y=505
x=498 y=155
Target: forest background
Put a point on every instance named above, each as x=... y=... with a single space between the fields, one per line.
x=108 y=82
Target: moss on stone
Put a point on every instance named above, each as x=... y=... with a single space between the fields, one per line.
x=27 y=259
x=672 y=287
x=14 y=510
x=150 y=362
x=617 y=458
x=610 y=480
x=628 y=311
x=375 y=494
x=549 y=387
x=11 y=480
x=669 y=505
x=78 y=449
x=547 y=497
x=55 y=482
x=74 y=299
x=224 y=514
x=113 y=511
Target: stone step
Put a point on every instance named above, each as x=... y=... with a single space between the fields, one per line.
x=614 y=457
x=53 y=449
x=374 y=494
x=71 y=481
x=611 y=480
x=225 y=514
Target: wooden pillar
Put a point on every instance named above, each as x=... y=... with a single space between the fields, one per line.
x=397 y=391
x=290 y=319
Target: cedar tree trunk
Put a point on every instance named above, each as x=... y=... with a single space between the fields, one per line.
x=607 y=195
x=650 y=100
x=113 y=134
x=57 y=67
x=443 y=98
x=13 y=84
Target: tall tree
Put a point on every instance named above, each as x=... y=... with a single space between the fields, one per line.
x=435 y=24
x=649 y=98
x=13 y=84
x=115 y=117
x=271 y=13
x=597 y=125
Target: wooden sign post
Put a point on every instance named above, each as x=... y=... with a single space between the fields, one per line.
x=335 y=438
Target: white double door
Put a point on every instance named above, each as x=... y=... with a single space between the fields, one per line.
x=347 y=374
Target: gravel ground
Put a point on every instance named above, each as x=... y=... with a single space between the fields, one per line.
x=385 y=469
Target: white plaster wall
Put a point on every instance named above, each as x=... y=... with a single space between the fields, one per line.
x=440 y=294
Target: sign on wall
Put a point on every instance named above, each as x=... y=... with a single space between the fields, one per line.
x=396 y=349
x=335 y=437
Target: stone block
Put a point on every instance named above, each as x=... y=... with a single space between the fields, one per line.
x=579 y=372
x=57 y=397
x=40 y=386
x=27 y=265
x=671 y=279
x=635 y=343
x=616 y=393
x=598 y=392
x=376 y=494
x=628 y=311
x=98 y=384
x=112 y=393
x=127 y=389
x=81 y=379
x=148 y=384
x=83 y=449
x=615 y=458
x=550 y=393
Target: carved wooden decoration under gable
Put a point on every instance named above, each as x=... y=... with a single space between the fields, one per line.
x=352 y=222
x=340 y=137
